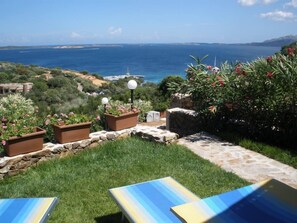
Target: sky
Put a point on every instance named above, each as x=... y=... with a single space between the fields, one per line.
x=61 y=22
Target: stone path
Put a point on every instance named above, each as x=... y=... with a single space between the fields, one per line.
x=247 y=164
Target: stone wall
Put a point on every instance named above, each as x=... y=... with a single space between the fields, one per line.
x=181 y=101
x=10 y=166
x=8 y=88
x=182 y=121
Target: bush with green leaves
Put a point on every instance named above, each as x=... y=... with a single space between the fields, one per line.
x=261 y=95
x=118 y=108
x=18 y=117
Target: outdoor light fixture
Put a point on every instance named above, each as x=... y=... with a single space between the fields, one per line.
x=104 y=101
x=132 y=84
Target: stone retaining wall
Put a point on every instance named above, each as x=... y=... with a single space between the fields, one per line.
x=182 y=121
x=181 y=101
x=10 y=166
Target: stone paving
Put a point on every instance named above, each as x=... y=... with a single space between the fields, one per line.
x=247 y=164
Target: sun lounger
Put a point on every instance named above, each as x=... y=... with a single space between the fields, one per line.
x=268 y=201
x=26 y=210
x=151 y=201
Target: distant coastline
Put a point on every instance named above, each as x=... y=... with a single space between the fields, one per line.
x=60 y=46
x=276 y=42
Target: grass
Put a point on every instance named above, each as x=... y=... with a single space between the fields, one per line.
x=81 y=182
x=282 y=155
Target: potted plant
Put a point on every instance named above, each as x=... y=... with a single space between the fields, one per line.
x=161 y=107
x=120 y=116
x=19 y=132
x=69 y=127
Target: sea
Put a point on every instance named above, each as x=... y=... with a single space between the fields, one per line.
x=153 y=61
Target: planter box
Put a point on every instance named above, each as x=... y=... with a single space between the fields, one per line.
x=162 y=114
x=124 y=121
x=72 y=133
x=25 y=144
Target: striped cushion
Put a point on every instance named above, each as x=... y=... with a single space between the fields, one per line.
x=268 y=201
x=26 y=210
x=151 y=201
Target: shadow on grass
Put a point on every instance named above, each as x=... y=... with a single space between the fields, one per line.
x=111 y=218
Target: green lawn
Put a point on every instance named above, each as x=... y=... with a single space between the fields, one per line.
x=81 y=182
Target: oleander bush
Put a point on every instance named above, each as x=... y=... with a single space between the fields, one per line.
x=259 y=98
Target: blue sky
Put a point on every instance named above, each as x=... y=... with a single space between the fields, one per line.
x=54 y=22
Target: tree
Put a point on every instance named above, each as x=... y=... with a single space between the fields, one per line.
x=164 y=85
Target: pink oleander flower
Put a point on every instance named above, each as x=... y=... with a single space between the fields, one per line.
x=269 y=59
x=209 y=67
x=3 y=142
x=98 y=118
x=290 y=51
x=269 y=74
x=238 y=69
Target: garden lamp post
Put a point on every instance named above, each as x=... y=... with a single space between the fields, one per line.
x=104 y=101
x=132 y=84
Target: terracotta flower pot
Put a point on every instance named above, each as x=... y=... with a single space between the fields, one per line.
x=162 y=114
x=25 y=144
x=72 y=133
x=124 y=121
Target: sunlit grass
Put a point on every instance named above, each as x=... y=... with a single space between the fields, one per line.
x=81 y=182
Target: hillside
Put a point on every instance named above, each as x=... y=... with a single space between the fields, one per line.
x=52 y=90
x=277 y=42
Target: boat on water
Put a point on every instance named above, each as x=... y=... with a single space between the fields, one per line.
x=215 y=69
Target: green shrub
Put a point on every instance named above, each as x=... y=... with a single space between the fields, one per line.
x=261 y=96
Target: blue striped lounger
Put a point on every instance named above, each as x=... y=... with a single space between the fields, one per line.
x=26 y=210
x=269 y=201
x=150 y=202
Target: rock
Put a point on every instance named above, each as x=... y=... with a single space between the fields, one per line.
x=181 y=101
x=85 y=143
x=103 y=137
x=68 y=146
x=57 y=149
x=5 y=169
x=95 y=138
x=42 y=153
x=123 y=135
x=94 y=144
x=75 y=145
x=182 y=121
x=110 y=136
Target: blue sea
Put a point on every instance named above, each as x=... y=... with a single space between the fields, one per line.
x=154 y=61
